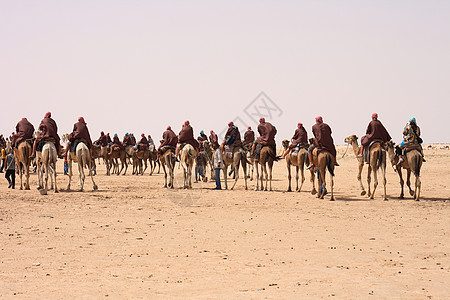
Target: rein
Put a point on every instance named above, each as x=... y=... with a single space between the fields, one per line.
x=345 y=151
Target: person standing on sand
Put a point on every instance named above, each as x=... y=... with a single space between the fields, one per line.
x=10 y=174
x=218 y=165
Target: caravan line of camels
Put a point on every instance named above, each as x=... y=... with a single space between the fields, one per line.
x=116 y=162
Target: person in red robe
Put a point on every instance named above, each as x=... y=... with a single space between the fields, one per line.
x=24 y=131
x=300 y=138
x=49 y=130
x=186 y=136
x=80 y=132
x=375 y=131
x=323 y=139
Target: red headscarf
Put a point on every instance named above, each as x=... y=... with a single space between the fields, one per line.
x=186 y=123
x=374 y=116
x=249 y=128
x=262 y=120
x=81 y=119
x=319 y=119
x=230 y=124
x=169 y=128
x=299 y=125
x=48 y=115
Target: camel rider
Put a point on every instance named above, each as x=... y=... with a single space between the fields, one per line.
x=323 y=139
x=49 y=130
x=133 y=138
x=266 y=137
x=169 y=141
x=116 y=144
x=249 y=139
x=411 y=139
x=80 y=133
x=108 y=139
x=201 y=138
x=127 y=141
x=143 y=143
x=214 y=140
x=186 y=136
x=2 y=141
x=24 y=131
x=102 y=140
x=300 y=138
x=150 y=140
x=375 y=131
x=232 y=136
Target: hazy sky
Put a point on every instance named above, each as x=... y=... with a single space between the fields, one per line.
x=138 y=66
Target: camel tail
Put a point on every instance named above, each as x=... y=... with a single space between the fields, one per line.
x=330 y=165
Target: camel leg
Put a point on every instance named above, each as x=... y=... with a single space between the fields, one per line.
x=244 y=167
x=383 y=173
x=54 y=175
x=302 y=173
x=81 y=175
x=313 y=181
x=236 y=175
x=375 y=182
x=165 y=176
x=257 y=176
x=408 y=182
x=270 y=175
x=225 y=176
x=360 y=169
x=402 y=182
x=332 y=187
x=324 y=183
x=46 y=178
x=296 y=178
x=69 y=173
x=369 y=174
x=264 y=172
x=94 y=186
x=417 y=189
x=289 y=177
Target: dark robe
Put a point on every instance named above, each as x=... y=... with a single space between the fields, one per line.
x=24 y=131
x=127 y=141
x=102 y=140
x=108 y=139
x=232 y=136
x=117 y=142
x=144 y=143
x=133 y=139
x=267 y=134
x=322 y=134
x=249 y=137
x=169 y=139
x=80 y=131
x=214 y=140
x=200 y=140
x=300 y=137
x=186 y=136
x=375 y=131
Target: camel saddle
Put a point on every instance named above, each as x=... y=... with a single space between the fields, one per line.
x=42 y=142
x=73 y=146
x=294 y=151
x=228 y=151
x=366 y=150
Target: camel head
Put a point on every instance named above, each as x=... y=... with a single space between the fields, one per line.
x=285 y=144
x=351 y=139
x=37 y=133
x=390 y=148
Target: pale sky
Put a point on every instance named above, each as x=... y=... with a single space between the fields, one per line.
x=138 y=66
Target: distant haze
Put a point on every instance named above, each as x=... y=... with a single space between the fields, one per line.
x=138 y=66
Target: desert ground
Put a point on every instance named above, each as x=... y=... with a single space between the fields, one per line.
x=134 y=239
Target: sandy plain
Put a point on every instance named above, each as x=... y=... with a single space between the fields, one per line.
x=134 y=239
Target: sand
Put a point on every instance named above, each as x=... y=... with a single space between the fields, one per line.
x=134 y=239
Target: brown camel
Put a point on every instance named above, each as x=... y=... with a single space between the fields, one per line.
x=299 y=160
x=101 y=152
x=238 y=157
x=168 y=160
x=139 y=157
x=153 y=160
x=23 y=161
x=323 y=160
x=207 y=158
x=412 y=163
x=116 y=155
x=266 y=159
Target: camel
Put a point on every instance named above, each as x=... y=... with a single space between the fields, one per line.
x=207 y=157
x=353 y=141
x=188 y=155
x=299 y=160
x=322 y=161
x=138 y=157
x=46 y=163
x=238 y=157
x=266 y=159
x=83 y=158
x=23 y=161
x=377 y=161
x=168 y=160
x=117 y=154
x=412 y=163
x=100 y=152
x=153 y=160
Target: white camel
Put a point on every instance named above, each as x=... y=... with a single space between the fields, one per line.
x=83 y=158
x=46 y=162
